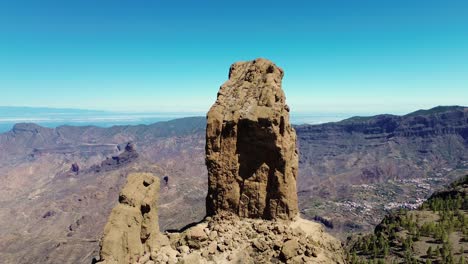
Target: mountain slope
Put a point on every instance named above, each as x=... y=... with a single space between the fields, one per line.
x=361 y=167
x=59 y=185
x=435 y=233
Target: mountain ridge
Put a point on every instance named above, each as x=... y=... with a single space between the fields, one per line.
x=422 y=112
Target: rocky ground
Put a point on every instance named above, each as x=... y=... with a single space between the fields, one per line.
x=229 y=239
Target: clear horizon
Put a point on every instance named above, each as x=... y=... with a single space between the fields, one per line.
x=21 y=110
x=54 y=117
x=366 y=57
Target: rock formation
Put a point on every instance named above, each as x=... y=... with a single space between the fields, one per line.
x=252 y=202
x=250 y=145
x=129 y=155
x=132 y=229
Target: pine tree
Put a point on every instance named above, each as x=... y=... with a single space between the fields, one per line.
x=461 y=260
x=429 y=252
x=385 y=250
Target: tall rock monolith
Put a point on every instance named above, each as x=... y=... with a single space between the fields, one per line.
x=250 y=149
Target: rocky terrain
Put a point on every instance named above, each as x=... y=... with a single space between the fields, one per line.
x=225 y=238
x=45 y=198
x=59 y=185
x=351 y=173
x=251 y=173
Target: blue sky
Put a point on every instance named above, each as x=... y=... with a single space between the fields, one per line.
x=339 y=56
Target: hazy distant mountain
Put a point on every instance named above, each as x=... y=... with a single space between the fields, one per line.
x=55 y=117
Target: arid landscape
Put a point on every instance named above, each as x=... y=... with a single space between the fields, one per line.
x=240 y=132
x=351 y=173
x=62 y=212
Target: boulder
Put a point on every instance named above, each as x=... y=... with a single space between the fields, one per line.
x=289 y=249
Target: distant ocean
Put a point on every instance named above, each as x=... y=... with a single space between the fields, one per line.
x=318 y=118
x=52 y=118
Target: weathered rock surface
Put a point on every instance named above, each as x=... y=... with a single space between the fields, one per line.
x=132 y=229
x=250 y=145
x=229 y=239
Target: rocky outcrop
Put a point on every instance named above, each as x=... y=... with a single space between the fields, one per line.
x=127 y=156
x=224 y=238
x=252 y=201
x=132 y=229
x=250 y=145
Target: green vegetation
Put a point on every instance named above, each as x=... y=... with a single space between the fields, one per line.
x=436 y=233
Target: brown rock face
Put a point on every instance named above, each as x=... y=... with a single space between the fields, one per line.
x=250 y=145
x=132 y=229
